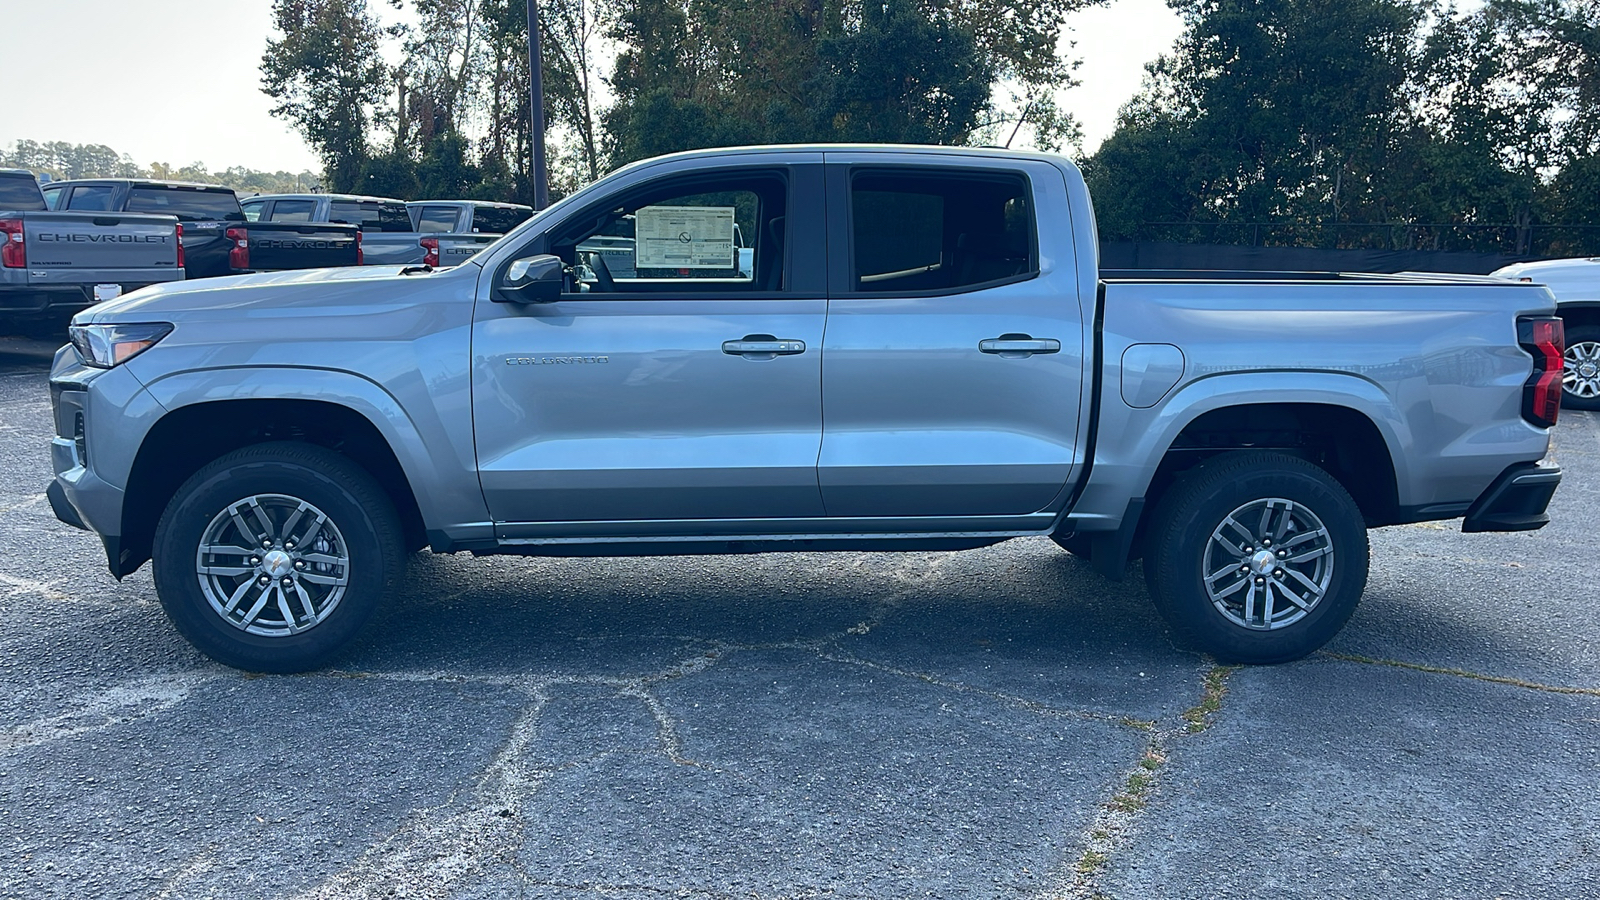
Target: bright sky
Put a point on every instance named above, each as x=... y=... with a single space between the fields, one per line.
x=176 y=81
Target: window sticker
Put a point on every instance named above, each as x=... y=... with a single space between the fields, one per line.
x=684 y=237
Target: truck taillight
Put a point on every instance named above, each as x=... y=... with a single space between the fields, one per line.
x=14 y=252
x=361 y=255
x=1546 y=339
x=430 y=251
x=180 y=245
x=238 y=247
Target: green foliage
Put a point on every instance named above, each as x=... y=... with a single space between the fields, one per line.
x=702 y=73
x=1358 y=111
x=329 y=79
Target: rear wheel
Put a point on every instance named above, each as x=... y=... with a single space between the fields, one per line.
x=1257 y=557
x=1580 y=380
x=271 y=558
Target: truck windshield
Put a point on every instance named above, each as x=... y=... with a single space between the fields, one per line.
x=371 y=215
x=20 y=193
x=498 y=219
x=188 y=204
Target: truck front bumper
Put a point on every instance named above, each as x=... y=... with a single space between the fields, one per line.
x=1515 y=501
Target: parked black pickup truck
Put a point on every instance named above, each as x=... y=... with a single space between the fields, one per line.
x=216 y=238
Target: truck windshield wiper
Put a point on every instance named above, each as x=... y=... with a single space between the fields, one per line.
x=416 y=270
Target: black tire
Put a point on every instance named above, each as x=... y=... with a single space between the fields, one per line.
x=1181 y=553
x=365 y=530
x=1588 y=335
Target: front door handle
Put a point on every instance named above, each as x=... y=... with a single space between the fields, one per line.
x=1017 y=346
x=763 y=346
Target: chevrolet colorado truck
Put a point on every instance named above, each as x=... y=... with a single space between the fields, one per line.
x=217 y=239
x=923 y=356
x=1576 y=286
x=54 y=263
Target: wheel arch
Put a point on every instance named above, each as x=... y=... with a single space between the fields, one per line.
x=198 y=428
x=1361 y=432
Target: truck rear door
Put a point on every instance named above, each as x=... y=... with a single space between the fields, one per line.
x=953 y=367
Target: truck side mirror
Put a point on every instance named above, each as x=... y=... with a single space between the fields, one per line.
x=536 y=279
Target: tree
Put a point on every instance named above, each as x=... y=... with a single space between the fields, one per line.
x=1296 y=109
x=328 y=77
x=700 y=73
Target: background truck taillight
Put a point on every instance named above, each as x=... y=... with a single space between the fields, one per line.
x=1546 y=339
x=361 y=255
x=430 y=251
x=180 y=245
x=14 y=252
x=238 y=248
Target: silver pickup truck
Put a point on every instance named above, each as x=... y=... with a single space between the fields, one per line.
x=55 y=263
x=453 y=231
x=924 y=356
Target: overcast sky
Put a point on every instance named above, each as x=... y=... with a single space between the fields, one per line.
x=176 y=81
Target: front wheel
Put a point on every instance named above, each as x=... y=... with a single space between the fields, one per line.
x=1257 y=557
x=1580 y=379
x=271 y=558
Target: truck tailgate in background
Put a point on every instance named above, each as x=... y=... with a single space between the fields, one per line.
x=283 y=245
x=112 y=248
x=455 y=249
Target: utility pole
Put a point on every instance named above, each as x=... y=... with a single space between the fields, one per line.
x=541 y=175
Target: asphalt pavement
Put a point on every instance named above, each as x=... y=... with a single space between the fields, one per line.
x=994 y=723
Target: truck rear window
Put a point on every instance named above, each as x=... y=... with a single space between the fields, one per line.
x=188 y=204
x=371 y=215
x=20 y=193
x=498 y=219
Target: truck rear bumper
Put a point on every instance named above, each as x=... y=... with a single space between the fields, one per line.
x=1515 y=501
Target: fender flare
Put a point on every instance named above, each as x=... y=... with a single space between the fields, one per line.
x=361 y=395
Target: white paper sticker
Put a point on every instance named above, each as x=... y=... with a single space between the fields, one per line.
x=684 y=237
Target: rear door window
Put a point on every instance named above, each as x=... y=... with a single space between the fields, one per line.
x=437 y=219
x=292 y=210
x=950 y=231
x=371 y=215
x=52 y=197
x=20 y=194
x=252 y=210
x=498 y=219
x=188 y=204
x=91 y=197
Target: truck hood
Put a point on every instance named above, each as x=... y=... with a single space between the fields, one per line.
x=244 y=295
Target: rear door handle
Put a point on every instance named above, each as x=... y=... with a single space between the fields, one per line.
x=763 y=346
x=1016 y=346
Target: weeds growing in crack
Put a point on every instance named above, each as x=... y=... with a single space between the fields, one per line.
x=1213 y=688
x=1464 y=673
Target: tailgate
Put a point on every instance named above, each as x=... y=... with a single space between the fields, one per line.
x=391 y=248
x=113 y=248
x=455 y=249
x=284 y=245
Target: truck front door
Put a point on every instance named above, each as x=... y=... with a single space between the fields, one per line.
x=684 y=389
x=953 y=366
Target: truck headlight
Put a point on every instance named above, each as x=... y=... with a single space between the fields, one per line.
x=104 y=346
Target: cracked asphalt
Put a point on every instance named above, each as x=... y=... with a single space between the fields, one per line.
x=994 y=723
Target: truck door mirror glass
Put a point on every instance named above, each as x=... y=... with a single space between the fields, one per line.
x=535 y=279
